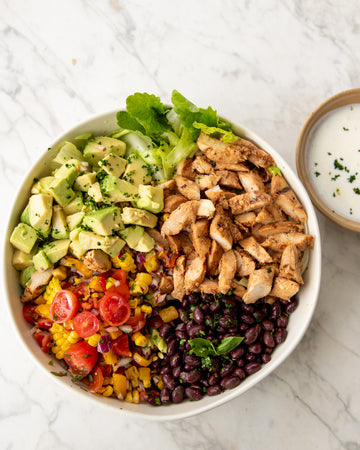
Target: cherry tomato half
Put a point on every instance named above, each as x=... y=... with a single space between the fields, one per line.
x=121 y=345
x=44 y=323
x=82 y=290
x=114 y=308
x=43 y=338
x=85 y=324
x=81 y=358
x=123 y=287
x=29 y=312
x=97 y=379
x=137 y=322
x=64 y=306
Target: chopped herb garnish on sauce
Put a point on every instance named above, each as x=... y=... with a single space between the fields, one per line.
x=337 y=165
x=345 y=129
x=357 y=191
x=317 y=174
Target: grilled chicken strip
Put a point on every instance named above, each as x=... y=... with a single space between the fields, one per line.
x=215 y=254
x=279 y=241
x=222 y=152
x=156 y=235
x=206 y=209
x=172 y=202
x=166 y=285
x=208 y=287
x=183 y=216
x=228 y=179
x=185 y=169
x=240 y=167
x=279 y=227
x=201 y=165
x=251 y=182
x=245 y=265
x=207 y=181
x=290 y=264
x=259 y=157
x=247 y=219
x=227 y=271
x=284 y=288
x=195 y=274
x=37 y=283
x=199 y=237
x=219 y=230
x=286 y=199
x=259 y=285
x=251 y=245
x=187 y=188
x=248 y=202
x=178 y=278
x=97 y=260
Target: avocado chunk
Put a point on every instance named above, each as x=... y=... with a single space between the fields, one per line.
x=25 y=216
x=132 y=235
x=113 y=165
x=56 y=250
x=135 y=216
x=111 y=245
x=41 y=261
x=25 y=275
x=21 y=260
x=67 y=151
x=150 y=198
x=83 y=182
x=102 y=146
x=23 y=237
x=117 y=190
x=59 y=228
x=137 y=171
x=76 y=249
x=61 y=191
x=145 y=244
x=40 y=212
x=68 y=171
x=105 y=221
x=74 y=220
x=76 y=204
x=42 y=186
x=95 y=192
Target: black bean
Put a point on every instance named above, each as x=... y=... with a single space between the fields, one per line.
x=165 y=396
x=175 y=360
x=282 y=321
x=188 y=346
x=214 y=379
x=165 y=369
x=221 y=330
x=255 y=348
x=198 y=315
x=240 y=362
x=265 y=357
x=204 y=382
x=172 y=347
x=169 y=381
x=150 y=398
x=234 y=330
x=250 y=357
x=259 y=316
x=192 y=360
x=213 y=390
x=155 y=365
x=280 y=335
x=215 y=366
x=251 y=335
x=166 y=359
x=268 y=339
x=194 y=331
x=185 y=303
x=237 y=353
x=177 y=394
x=176 y=371
x=193 y=299
x=268 y=350
x=190 y=324
x=183 y=315
x=164 y=330
x=209 y=322
x=275 y=310
x=238 y=372
x=264 y=308
x=215 y=306
x=290 y=308
x=268 y=325
x=193 y=376
x=226 y=370
x=206 y=297
x=205 y=307
x=230 y=382
x=193 y=393
x=243 y=327
x=249 y=309
x=252 y=367
x=181 y=334
x=246 y=318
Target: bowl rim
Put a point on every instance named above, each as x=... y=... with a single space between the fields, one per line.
x=338 y=100
x=196 y=408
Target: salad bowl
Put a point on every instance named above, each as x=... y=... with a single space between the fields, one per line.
x=106 y=123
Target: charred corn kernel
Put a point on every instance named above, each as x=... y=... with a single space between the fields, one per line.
x=59 y=354
x=96 y=284
x=107 y=380
x=141 y=361
x=165 y=216
x=110 y=282
x=144 y=376
x=133 y=303
x=129 y=397
x=115 y=334
x=137 y=311
x=151 y=263
x=135 y=397
x=119 y=385
x=51 y=289
x=110 y=357
x=94 y=339
x=60 y=341
x=146 y=309
x=95 y=295
x=73 y=337
x=56 y=327
x=125 y=262
x=69 y=261
x=141 y=283
x=139 y=339
x=108 y=391
x=168 y=314
x=60 y=273
x=160 y=385
x=57 y=336
x=40 y=300
x=43 y=310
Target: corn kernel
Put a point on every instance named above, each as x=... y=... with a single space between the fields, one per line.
x=51 y=289
x=139 y=339
x=110 y=357
x=146 y=309
x=60 y=273
x=160 y=385
x=144 y=376
x=94 y=340
x=110 y=282
x=125 y=262
x=60 y=342
x=107 y=380
x=115 y=334
x=57 y=336
x=136 y=398
x=137 y=311
x=120 y=385
x=60 y=354
x=40 y=300
x=128 y=397
x=96 y=284
x=108 y=391
x=133 y=303
x=168 y=314
x=43 y=310
x=165 y=216
x=151 y=263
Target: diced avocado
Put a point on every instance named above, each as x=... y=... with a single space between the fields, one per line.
x=40 y=212
x=42 y=186
x=113 y=164
x=75 y=248
x=61 y=191
x=145 y=244
x=95 y=192
x=56 y=250
x=83 y=182
x=74 y=234
x=76 y=204
x=135 y=216
x=111 y=245
x=102 y=146
x=158 y=340
x=119 y=190
x=68 y=171
x=137 y=172
x=41 y=261
x=132 y=235
x=105 y=221
x=59 y=228
x=25 y=217
x=25 y=275
x=23 y=237
x=150 y=198
x=21 y=260
x=74 y=220
x=67 y=151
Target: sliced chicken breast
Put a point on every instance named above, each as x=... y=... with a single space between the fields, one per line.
x=284 y=288
x=227 y=271
x=259 y=285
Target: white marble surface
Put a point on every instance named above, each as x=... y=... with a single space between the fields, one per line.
x=266 y=64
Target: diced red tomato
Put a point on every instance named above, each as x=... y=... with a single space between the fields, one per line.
x=43 y=338
x=121 y=345
x=106 y=369
x=82 y=290
x=44 y=323
x=168 y=261
x=97 y=379
x=114 y=308
x=155 y=322
x=64 y=306
x=29 y=312
x=81 y=358
x=136 y=322
x=85 y=324
x=123 y=287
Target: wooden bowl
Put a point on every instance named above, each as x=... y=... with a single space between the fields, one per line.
x=344 y=98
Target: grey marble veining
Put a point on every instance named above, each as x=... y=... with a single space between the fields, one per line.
x=264 y=64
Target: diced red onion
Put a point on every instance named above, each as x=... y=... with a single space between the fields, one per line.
x=155 y=283
x=126 y=328
x=104 y=149
x=141 y=386
x=156 y=379
x=171 y=271
x=181 y=327
x=147 y=351
x=160 y=298
x=95 y=311
x=123 y=362
x=121 y=252
x=111 y=329
x=140 y=258
x=104 y=344
x=158 y=248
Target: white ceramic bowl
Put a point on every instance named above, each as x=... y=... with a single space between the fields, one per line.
x=299 y=320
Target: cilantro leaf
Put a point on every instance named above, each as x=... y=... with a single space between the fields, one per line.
x=202 y=347
x=127 y=122
x=228 y=344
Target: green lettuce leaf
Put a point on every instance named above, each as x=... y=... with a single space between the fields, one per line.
x=227 y=136
x=127 y=122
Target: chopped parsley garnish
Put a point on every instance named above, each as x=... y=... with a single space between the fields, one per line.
x=317 y=174
x=337 y=165
x=345 y=129
x=357 y=191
